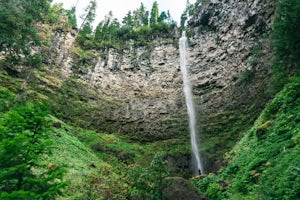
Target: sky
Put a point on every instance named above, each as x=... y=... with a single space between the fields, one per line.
x=121 y=7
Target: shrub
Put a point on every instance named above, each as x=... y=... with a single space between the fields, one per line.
x=23 y=139
x=149 y=182
x=286 y=42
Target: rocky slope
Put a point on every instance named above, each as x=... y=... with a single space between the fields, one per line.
x=229 y=61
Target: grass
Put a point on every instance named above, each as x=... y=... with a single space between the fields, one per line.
x=79 y=160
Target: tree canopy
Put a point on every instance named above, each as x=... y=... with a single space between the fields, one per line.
x=138 y=25
x=17 y=31
x=154 y=14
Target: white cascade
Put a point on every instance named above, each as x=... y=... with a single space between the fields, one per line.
x=189 y=103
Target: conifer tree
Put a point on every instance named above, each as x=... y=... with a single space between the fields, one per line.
x=23 y=140
x=154 y=14
x=141 y=16
x=17 y=25
x=107 y=29
x=162 y=17
x=71 y=14
x=86 y=28
x=89 y=16
x=128 y=20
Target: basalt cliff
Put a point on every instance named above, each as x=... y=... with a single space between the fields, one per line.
x=137 y=91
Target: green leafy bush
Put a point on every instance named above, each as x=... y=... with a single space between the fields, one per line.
x=286 y=42
x=149 y=182
x=23 y=140
x=6 y=99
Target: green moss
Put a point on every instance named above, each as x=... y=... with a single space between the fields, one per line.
x=76 y=103
x=6 y=99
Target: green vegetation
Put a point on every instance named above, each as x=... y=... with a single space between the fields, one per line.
x=286 y=36
x=24 y=138
x=189 y=11
x=17 y=31
x=96 y=165
x=135 y=26
x=85 y=29
x=141 y=168
x=154 y=14
x=265 y=163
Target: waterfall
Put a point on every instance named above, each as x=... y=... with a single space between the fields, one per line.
x=189 y=103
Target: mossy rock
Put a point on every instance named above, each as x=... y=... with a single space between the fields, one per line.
x=261 y=130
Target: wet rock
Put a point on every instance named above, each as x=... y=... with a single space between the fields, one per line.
x=181 y=189
x=56 y=125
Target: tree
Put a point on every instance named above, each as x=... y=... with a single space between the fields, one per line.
x=162 y=17
x=128 y=20
x=154 y=14
x=90 y=14
x=23 y=139
x=189 y=11
x=137 y=18
x=169 y=18
x=286 y=42
x=183 y=19
x=150 y=182
x=17 y=31
x=158 y=172
x=141 y=16
x=86 y=28
x=71 y=14
x=107 y=30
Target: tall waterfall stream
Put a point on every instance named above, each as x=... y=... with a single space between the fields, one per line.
x=189 y=103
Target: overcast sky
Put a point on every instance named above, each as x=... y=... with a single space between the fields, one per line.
x=121 y=7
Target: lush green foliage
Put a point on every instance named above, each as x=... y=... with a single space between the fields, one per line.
x=265 y=164
x=17 y=31
x=189 y=11
x=135 y=26
x=71 y=14
x=6 y=99
x=140 y=170
x=154 y=14
x=286 y=36
x=59 y=18
x=149 y=182
x=24 y=139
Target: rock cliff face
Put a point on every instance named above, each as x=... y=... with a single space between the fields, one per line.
x=229 y=62
x=223 y=37
x=144 y=81
x=148 y=82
